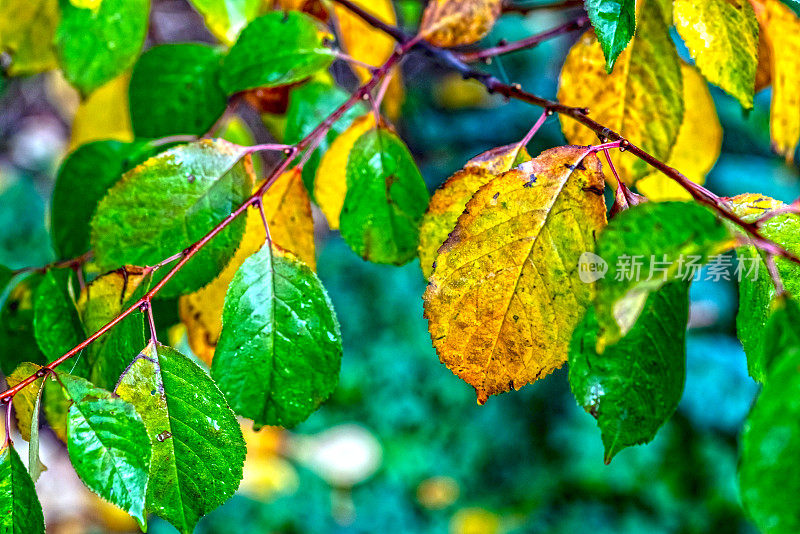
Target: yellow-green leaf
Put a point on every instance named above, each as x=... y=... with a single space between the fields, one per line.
x=451 y=198
x=698 y=145
x=25 y=400
x=330 y=185
x=506 y=294
x=103 y=115
x=360 y=40
x=288 y=212
x=458 y=22
x=226 y=18
x=26 y=33
x=781 y=29
x=722 y=36
x=641 y=99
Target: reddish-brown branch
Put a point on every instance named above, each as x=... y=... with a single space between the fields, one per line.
x=71 y=263
x=529 y=42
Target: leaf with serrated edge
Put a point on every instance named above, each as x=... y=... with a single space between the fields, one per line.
x=641 y=99
x=107 y=445
x=288 y=211
x=20 y=510
x=678 y=234
x=781 y=29
x=25 y=399
x=614 y=23
x=697 y=147
x=505 y=294
x=635 y=385
x=458 y=22
x=722 y=36
x=198 y=448
x=280 y=350
x=169 y=202
x=330 y=184
x=449 y=201
x=56 y=322
x=385 y=200
x=295 y=50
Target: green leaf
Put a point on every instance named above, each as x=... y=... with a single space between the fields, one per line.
x=20 y=510
x=6 y=275
x=17 y=339
x=83 y=180
x=769 y=474
x=722 y=37
x=35 y=465
x=280 y=349
x=175 y=90
x=226 y=18
x=25 y=400
x=309 y=105
x=96 y=45
x=198 y=448
x=385 y=201
x=104 y=299
x=108 y=446
x=757 y=291
x=26 y=33
x=614 y=23
x=294 y=51
x=168 y=203
x=674 y=238
x=635 y=385
x=56 y=322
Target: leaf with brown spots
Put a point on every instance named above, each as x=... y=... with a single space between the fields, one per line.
x=458 y=22
x=505 y=294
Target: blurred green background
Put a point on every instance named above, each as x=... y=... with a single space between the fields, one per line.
x=402 y=446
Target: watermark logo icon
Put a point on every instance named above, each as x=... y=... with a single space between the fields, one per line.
x=591 y=267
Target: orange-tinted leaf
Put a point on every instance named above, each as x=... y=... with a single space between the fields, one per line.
x=458 y=22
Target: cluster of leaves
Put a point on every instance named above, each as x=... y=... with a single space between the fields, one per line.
x=502 y=242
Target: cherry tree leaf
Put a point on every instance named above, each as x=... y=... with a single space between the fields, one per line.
x=198 y=448
x=175 y=90
x=458 y=22
x=25 y=400
x=449 y=201
x=698 y=145
x=681 y=238
x=280 y=350
x=169 y=202
x=635 y=385
x=97 y=43
x=57 y=325
x=75 y=198
x=295 y=50
x=641 y=99
x=360 y=40
x=20 y=510
x=288 y=211
x=108 y=445
x=722 y=36
x=103 y=115
x=614 y=23
x=226 y=18
x=17 y=334
x=385 y=200
x=781 y=29
x=330 y=184
x=505 y=294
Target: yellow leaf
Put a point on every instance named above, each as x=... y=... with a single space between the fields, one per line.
x=640 y=99
x=722 y=37
x=781 y=28
x=395 y=95
x=103 y=115
x=330 y=185
x=458 y=22
x=26 y=33
x=225 y=19
x=288 y=212
x=764 y=67
x=25 y=400
x=94 y=5
x=752 y=206
x=452 y=91
x=698 y=145
x=474 y=521
x=451 y=198
x=360 y=40
x=505 y=294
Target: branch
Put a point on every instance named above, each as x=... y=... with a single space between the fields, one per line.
x=254 y=200
x=515 y=91
x=529 y=42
